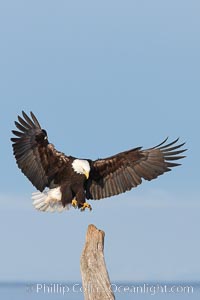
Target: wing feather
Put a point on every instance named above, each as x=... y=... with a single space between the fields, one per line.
x=121 y=172
x=35 y=156
x=20 y=127
x=34 y=123
x=24 y=123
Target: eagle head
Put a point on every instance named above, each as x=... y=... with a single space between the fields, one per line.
x=81 y=166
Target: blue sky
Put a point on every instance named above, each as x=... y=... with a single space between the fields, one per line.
x=102 y=77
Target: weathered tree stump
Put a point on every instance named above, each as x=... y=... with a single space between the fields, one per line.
x=95 y=278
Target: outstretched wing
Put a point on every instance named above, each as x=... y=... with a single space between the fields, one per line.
x=122 y=172
x=35 y=156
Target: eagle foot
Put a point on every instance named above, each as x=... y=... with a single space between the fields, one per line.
x=86 y=205
x=74 y=203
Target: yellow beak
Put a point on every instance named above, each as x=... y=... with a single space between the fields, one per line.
x=87 y=174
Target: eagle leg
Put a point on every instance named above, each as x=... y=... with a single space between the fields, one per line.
x=85 y=205
x=74 y=203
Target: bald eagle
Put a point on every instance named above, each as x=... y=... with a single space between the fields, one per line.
x=70 y=180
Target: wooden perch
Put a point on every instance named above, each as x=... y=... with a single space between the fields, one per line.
x=95 y=278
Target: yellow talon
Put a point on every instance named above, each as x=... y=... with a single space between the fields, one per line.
x=74 y=203
x=86 y=205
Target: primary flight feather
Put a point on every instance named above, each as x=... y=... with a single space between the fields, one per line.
x=70 y=180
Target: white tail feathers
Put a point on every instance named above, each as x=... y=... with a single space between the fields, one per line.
x=49 y=201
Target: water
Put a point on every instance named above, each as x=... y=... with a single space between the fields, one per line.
x=122 y=291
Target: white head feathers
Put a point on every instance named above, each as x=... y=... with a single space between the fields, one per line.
x=81 y=166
